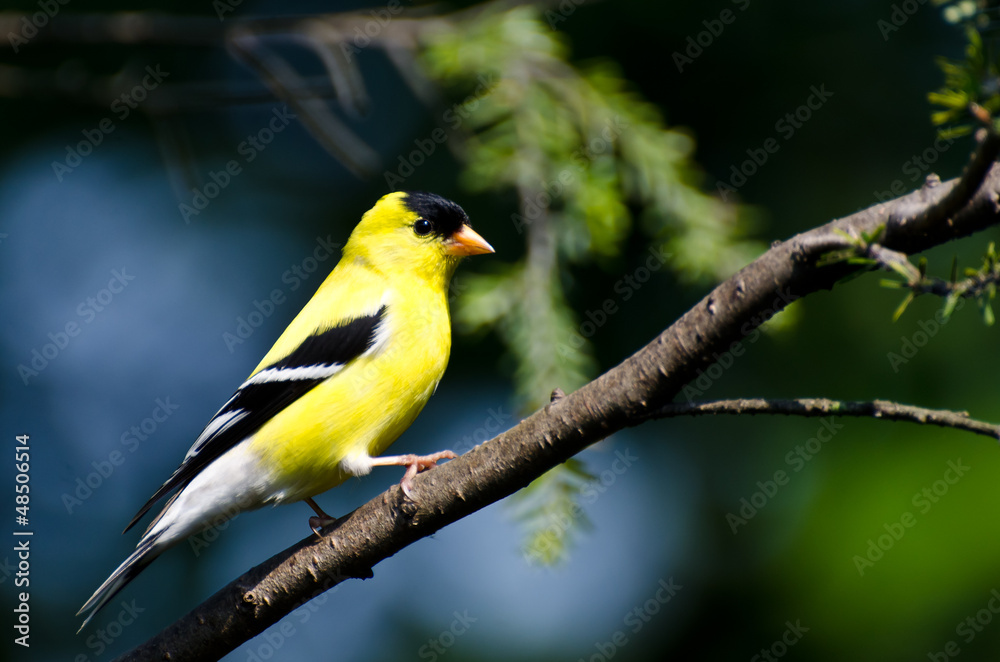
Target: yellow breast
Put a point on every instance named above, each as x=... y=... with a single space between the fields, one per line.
x=364 y=408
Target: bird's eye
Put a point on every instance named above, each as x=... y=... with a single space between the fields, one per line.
x=423 y=227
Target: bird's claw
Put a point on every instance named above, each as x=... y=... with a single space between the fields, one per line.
x=320 y=520
x=417 y=463
x=317 y=523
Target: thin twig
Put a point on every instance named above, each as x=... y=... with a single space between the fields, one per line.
x=314 y=113
x=815 y=407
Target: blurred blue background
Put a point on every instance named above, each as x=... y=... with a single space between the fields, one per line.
x=787 y=581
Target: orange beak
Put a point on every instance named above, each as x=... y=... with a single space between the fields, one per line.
x=467 y=242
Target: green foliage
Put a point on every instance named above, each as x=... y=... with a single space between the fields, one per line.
x=551 y=514
x=973 y=81
x=591 y=163
x=979 y=284
x=856 y=251
x=982 y=284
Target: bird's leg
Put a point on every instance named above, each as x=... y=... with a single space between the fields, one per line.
x=414 y=464
x=321 y=519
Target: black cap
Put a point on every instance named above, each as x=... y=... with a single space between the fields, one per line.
x=446 y=216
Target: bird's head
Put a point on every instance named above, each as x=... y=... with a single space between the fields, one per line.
x=419 y=233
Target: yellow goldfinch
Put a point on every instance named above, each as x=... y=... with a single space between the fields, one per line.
x=345 y=379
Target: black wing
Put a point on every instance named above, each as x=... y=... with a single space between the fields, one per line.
x=269 y=391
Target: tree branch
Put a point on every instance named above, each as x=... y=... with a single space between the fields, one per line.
x=816 y=407
x=623 y=396
x=975 y=172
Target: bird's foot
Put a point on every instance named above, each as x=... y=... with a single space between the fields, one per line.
x=414 y=464
x=321 y=519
